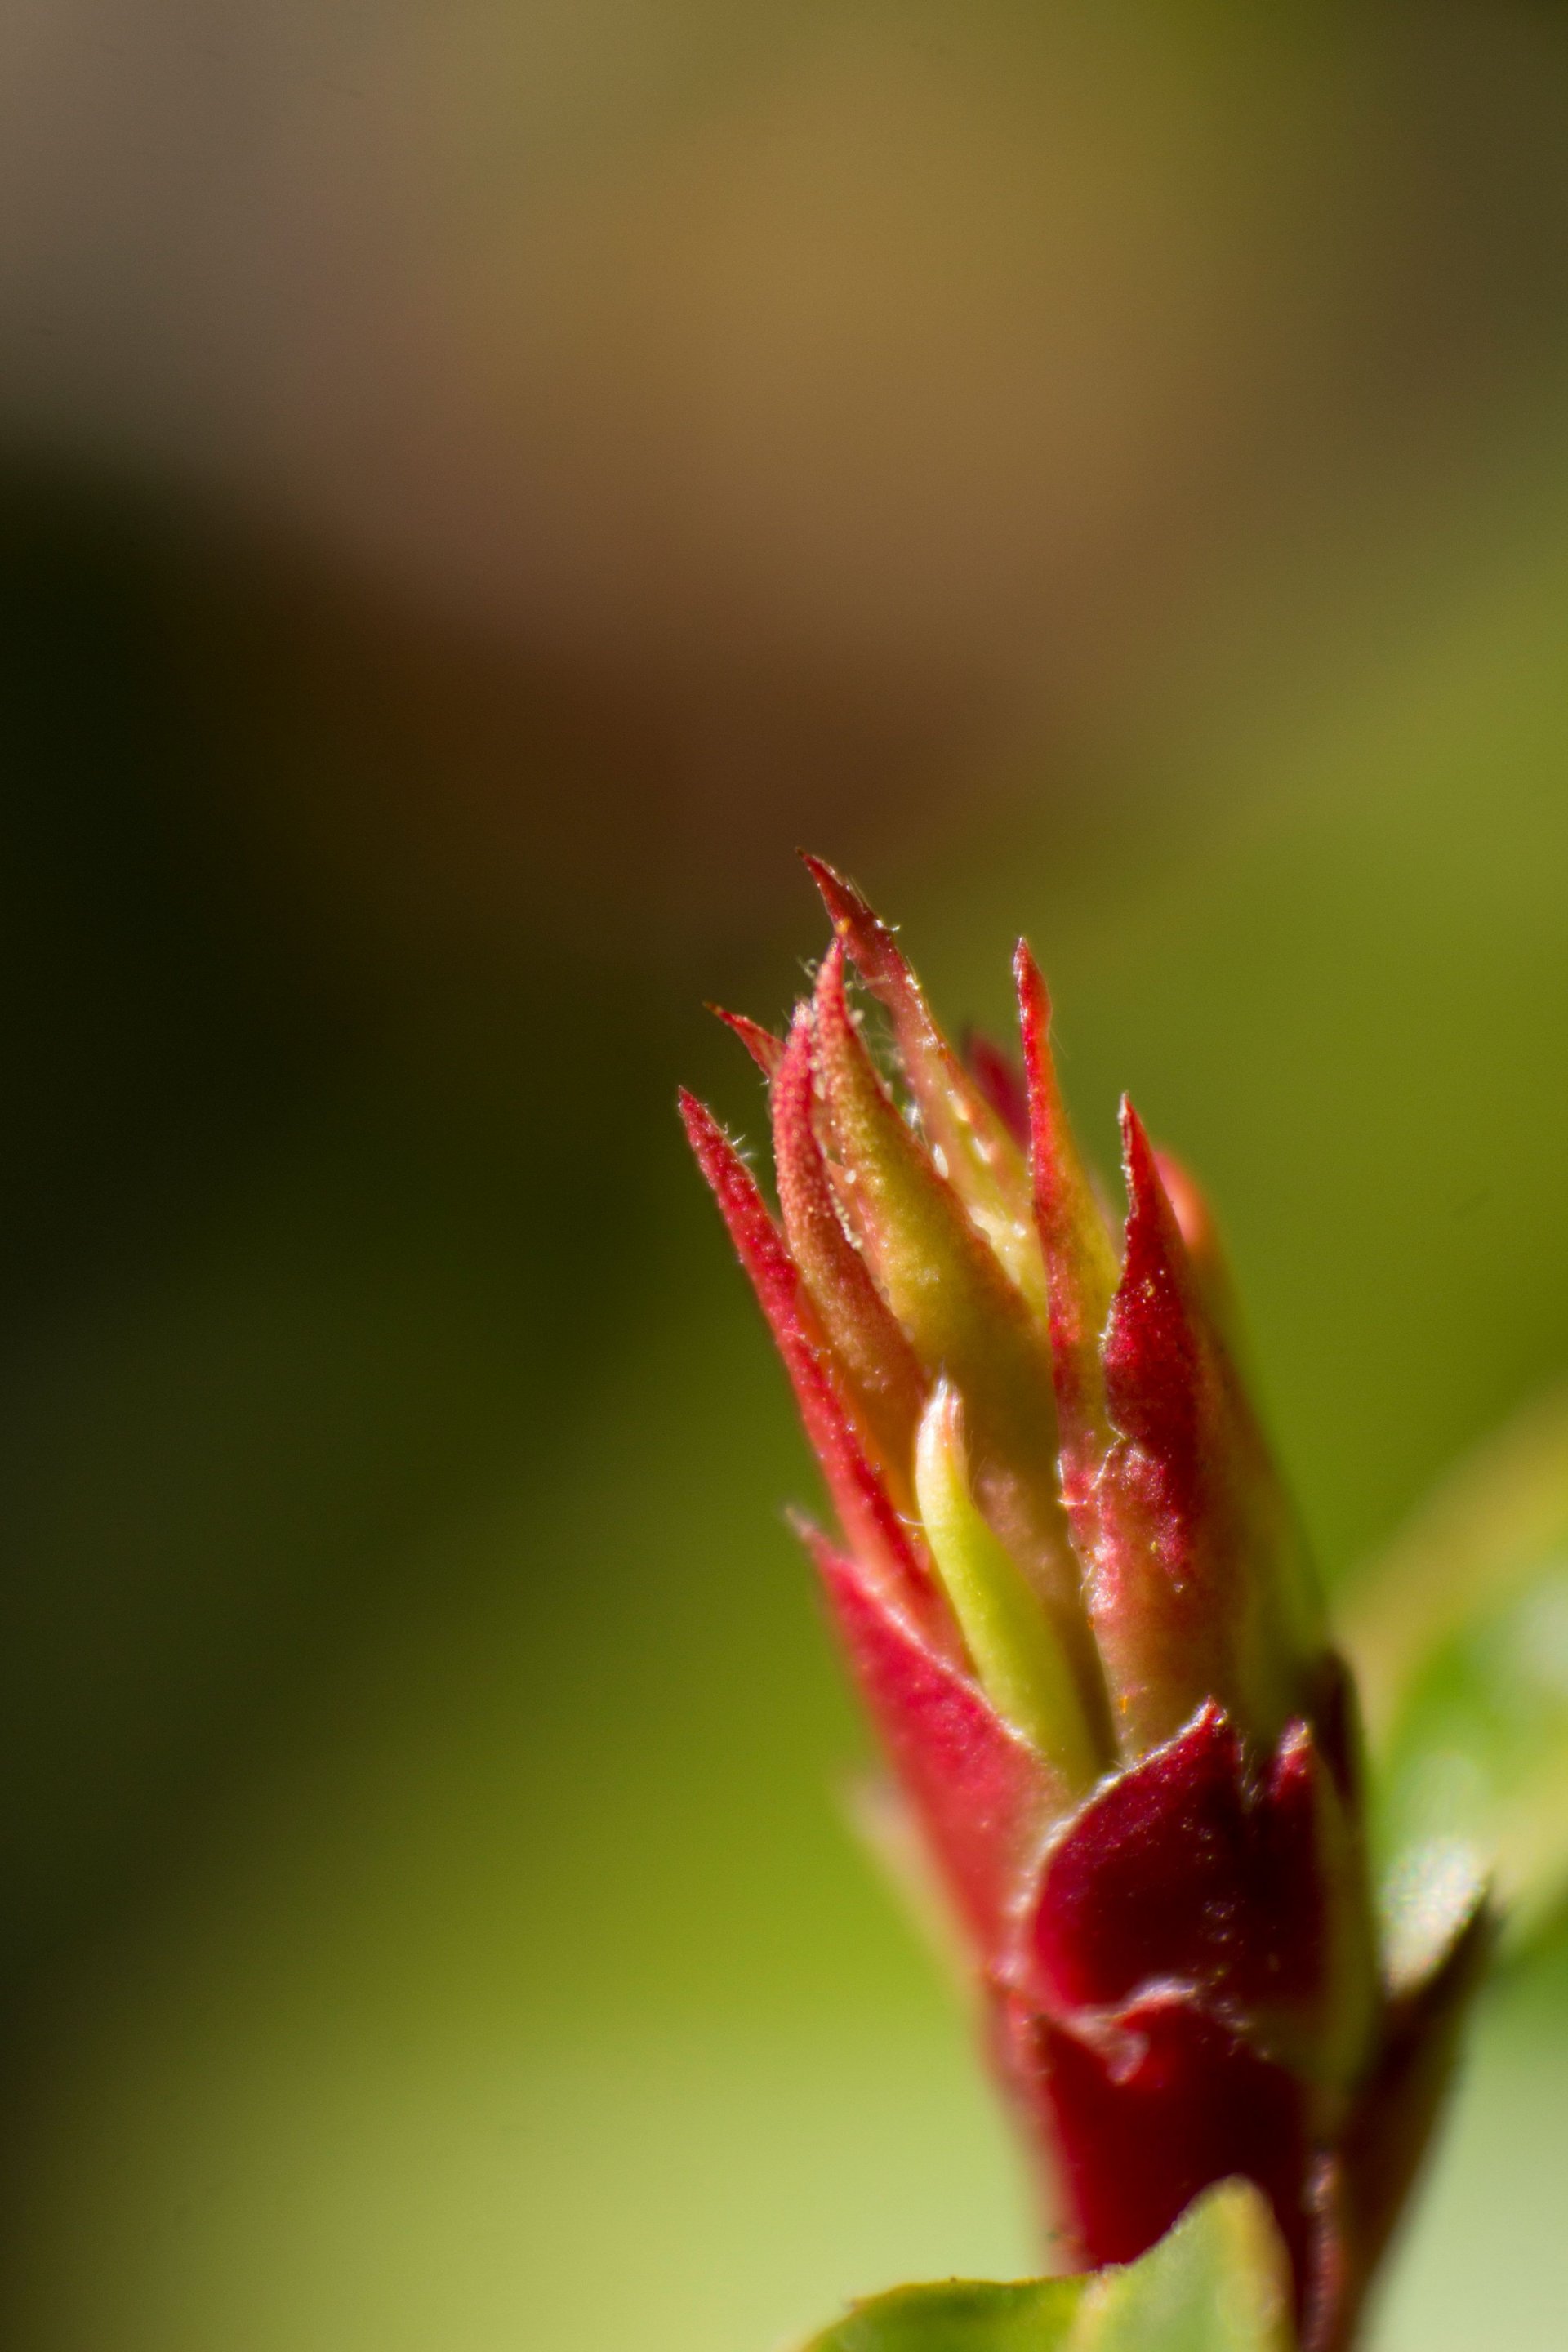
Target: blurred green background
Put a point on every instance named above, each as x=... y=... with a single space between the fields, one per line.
x=478 y=486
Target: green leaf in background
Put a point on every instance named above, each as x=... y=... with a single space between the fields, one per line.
x=961 y=2316
x=1216 y=2283
x=1460 y=1641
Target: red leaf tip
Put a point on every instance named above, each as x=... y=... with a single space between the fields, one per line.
x=1033 y=996
x=877 y=956
x=765 y=1048
x=1147 y=1198
x=830 y=996
x=847 y=907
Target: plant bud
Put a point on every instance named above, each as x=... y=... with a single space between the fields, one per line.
x=1076 y=1600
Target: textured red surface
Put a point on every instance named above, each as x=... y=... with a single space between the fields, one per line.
x=859 y=1495
x=765 y=1048
x=1181 y=1871
x=1081 y=1280
x=1154 y=1369
x=879 y=958
x=882 y=1365
x=1156 y=2103
x=1192 y=1586
x=983 y=1797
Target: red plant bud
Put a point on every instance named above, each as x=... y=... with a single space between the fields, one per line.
x=1074 y=1598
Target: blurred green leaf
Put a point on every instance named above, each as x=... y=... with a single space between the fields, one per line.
x=1461 y=1645
x=961 y=2316
x=1216 y=2283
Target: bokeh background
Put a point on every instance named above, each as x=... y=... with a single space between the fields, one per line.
x=479 y=483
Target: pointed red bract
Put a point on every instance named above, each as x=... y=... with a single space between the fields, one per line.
x=963 y=1314
x=765 y=1048
x=879 y=958
x=1154 y=1348
x=858 y=1493
x=881 y=1366
x=1081 y=1267
x=979 y=1154
x=1181 y=1871
x=901 y=1203
x=983 y=1797
x=1196 y=1570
